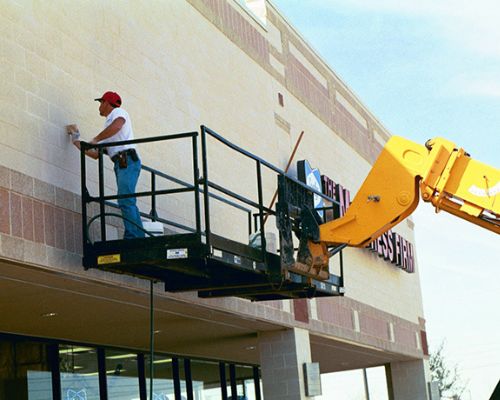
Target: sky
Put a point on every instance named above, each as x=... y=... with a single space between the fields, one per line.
x=430 y=68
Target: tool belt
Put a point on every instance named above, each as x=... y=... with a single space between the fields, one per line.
x=121 y=157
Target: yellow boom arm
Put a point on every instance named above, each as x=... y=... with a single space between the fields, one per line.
x=445 y=176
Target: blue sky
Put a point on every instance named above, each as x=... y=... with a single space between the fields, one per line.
x=426 y=69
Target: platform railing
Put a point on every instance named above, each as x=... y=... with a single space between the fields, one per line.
x=107 y=200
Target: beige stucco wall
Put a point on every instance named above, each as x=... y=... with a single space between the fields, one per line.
x=175 y=70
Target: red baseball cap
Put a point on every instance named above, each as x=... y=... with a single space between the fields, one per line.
x=112 y=98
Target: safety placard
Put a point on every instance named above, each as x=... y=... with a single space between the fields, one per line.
x=108 y=259
x=174 y=254
x=218 y=253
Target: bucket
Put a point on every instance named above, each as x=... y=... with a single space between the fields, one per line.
x=155 y=228
x=254 y=240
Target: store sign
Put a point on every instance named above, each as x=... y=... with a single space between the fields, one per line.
x=395 y=249
x=336 y=192
x=390 y=246
x=312 y=178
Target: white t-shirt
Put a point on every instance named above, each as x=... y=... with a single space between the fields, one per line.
x=125 y=133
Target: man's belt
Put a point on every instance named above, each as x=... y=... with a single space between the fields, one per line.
x=130 y=152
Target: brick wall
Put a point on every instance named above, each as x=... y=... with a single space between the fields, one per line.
x=177 y=65
x=37 y=212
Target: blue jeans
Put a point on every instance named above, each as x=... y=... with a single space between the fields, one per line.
x=126 y=181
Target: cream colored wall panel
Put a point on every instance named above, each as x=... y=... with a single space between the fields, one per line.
x=274 y=36
x=374 y=281
x=13 y=52
x=38 y=107
x=26 y=81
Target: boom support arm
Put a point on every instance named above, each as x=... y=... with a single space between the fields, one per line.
x=443 y=174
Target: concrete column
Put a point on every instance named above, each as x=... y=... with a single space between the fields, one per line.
x=408 y=380
x=282 y=355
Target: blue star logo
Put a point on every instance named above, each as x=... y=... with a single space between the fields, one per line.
x=312 y=177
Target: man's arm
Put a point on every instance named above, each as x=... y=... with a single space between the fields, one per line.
x=110 y=131
x=92 y=153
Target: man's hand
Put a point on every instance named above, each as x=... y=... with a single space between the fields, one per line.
x=71 y=128
x=74 y=132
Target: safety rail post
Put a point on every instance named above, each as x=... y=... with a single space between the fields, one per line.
x=83 y=181
x=206 y=196
x=153 y=212
x=102 y=208
x=261 y=211
x=336 y=214
x=249 y=214
x=151 y=338
x=196 y=183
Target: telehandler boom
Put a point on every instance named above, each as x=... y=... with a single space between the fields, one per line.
x=446 y=176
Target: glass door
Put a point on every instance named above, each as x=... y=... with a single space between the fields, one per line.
x=79 y=373
x=25 y=372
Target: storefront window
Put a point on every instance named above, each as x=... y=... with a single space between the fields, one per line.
x=122 y=375
x=31 y=370
x=163 y=384
x=243 y=387
x=24 y=370
x=206 y=380
x=79 y=372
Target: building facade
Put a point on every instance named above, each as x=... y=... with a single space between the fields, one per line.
x=238 y=67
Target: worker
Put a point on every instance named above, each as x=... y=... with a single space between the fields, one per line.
x=127 y=164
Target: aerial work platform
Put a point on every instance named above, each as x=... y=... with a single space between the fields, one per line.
x=193 y=257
